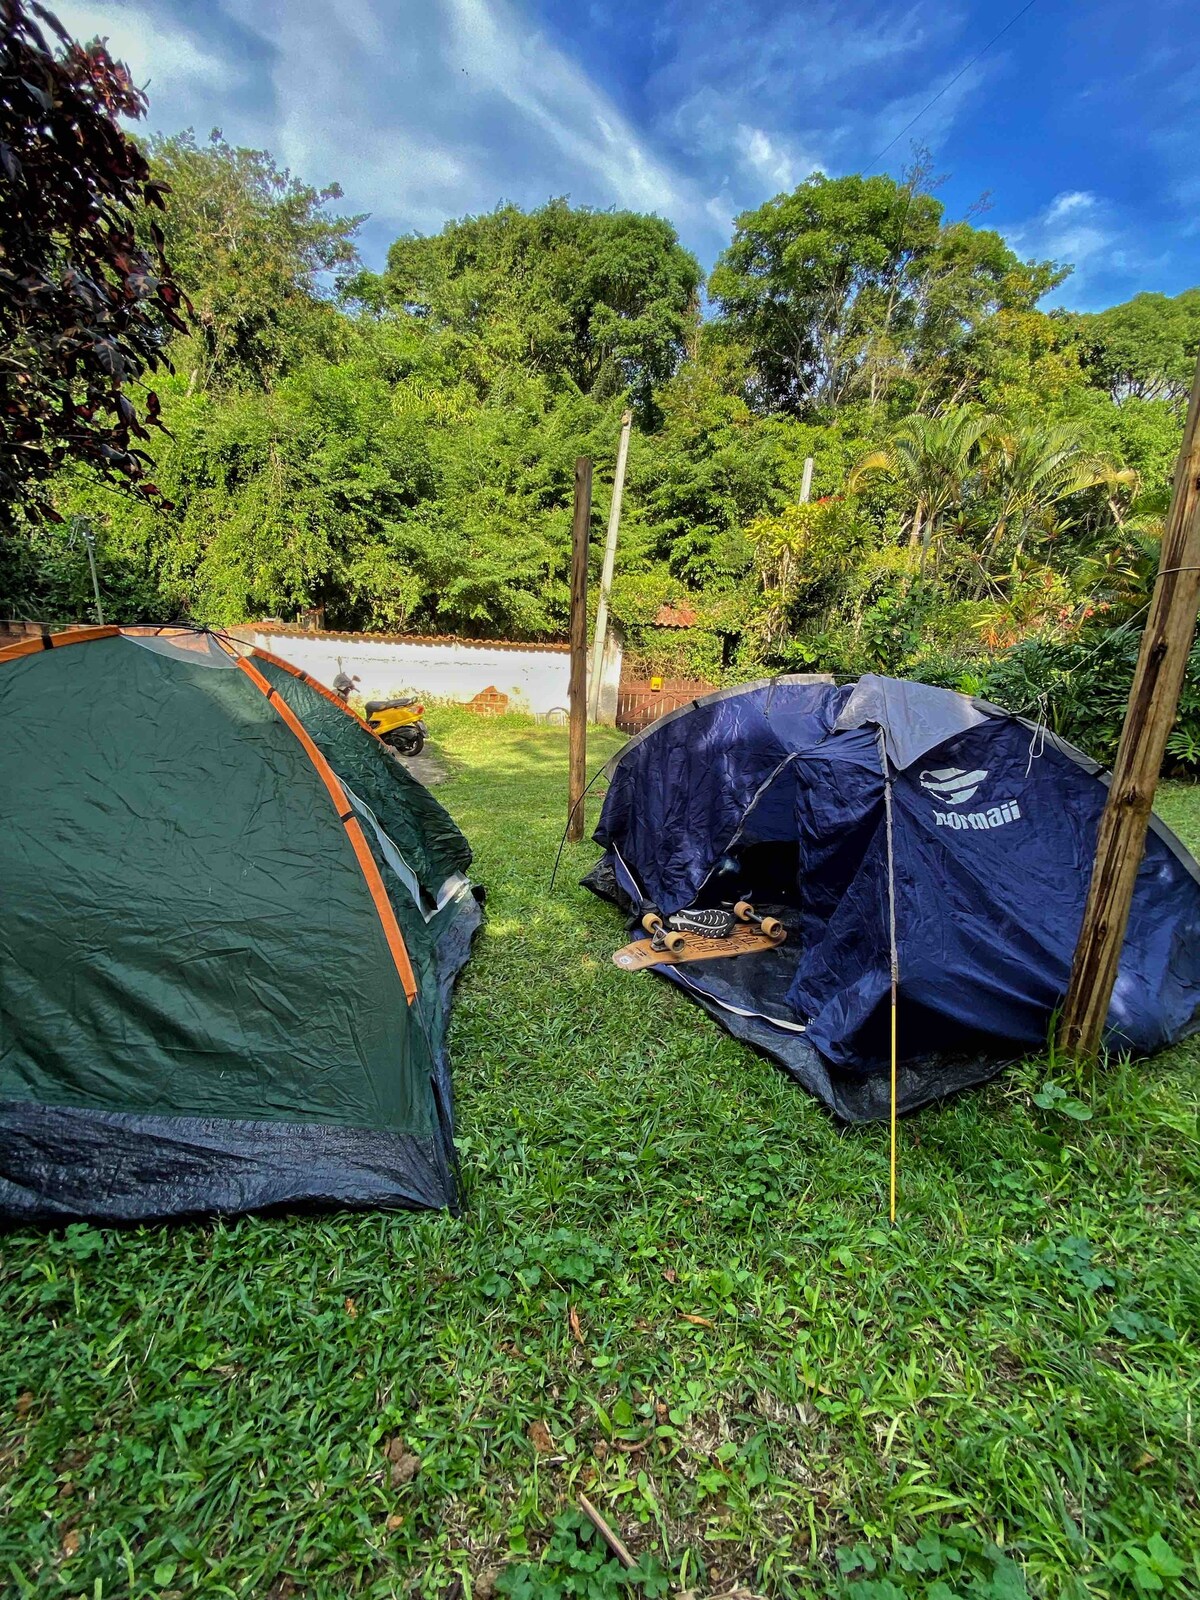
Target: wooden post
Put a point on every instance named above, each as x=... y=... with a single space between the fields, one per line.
x=577 y=769
x=83 y=526
x=806 y=480
x=1153 y=701
x=606 y=575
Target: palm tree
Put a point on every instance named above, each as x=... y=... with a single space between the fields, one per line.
x=1117 y=576
x=935 y=458
x=1030 y=469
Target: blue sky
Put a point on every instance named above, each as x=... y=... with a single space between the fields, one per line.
x=1081 y=125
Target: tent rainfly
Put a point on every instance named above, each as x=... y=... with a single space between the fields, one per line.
x=780 y=793
x=231 y=926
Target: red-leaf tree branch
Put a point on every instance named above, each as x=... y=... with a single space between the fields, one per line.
x=85 y=310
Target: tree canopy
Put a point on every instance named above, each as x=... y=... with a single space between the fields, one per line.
x=257 y=251
x=601 y=300
x=848 y=285
x=1146 y=349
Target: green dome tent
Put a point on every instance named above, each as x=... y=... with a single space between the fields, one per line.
x=230 y=927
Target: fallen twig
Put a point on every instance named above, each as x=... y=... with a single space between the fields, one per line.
x=605 y=1532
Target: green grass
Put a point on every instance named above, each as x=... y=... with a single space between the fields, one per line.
x=770 y=1387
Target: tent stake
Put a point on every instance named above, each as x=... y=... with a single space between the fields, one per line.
x=616 y=1545
x=892 y=1118
x=577 y=759
x=1153 y=701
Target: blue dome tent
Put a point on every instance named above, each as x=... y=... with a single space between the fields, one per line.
x=837 y=807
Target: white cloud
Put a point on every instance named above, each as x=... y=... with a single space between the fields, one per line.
x=760 y=96
x=769 y=159
x=428 y=109
x=1072 y=228
x=557 y=99
x=421 y=112
x=1070 y=203
x=169 y=58
x=830 y=75
x=1083 y=230
x=435 y=111
x=744 y=164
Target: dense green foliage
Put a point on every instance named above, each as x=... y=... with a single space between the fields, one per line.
x=1147 y=348
x=766 y=1390
x=597 y=301
x=397 y=447
x=252 y=243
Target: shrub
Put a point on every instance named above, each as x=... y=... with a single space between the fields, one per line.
x=1080 y=687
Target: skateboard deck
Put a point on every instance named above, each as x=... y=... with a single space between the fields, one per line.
x=743 y=941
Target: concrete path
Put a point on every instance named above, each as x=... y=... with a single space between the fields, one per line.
x=425 y=768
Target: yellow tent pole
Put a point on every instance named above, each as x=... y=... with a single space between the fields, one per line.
x=895 y=969
x=892 y=1147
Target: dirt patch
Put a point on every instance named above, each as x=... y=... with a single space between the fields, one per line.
x=425 y=768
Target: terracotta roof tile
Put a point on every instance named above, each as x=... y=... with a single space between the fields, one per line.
x=675 y=617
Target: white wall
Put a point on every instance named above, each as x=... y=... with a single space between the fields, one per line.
x=534 y=679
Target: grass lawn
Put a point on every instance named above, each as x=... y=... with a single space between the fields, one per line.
x=674 y=1290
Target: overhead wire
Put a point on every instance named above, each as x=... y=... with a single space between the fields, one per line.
x=946 y=87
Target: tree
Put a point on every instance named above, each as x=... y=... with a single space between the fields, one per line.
x=85 y=309
x=712 y=466
x=1146 y=348
x=1029 y=469
x=604 y=301
x=845 y=284
x=801 y=553
x=257 y=251
x=934 y=458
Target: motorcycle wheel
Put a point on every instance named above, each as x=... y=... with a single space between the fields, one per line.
x=408 y=741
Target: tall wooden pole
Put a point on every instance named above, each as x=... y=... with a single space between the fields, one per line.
x=600 y=639
x=577 y=759
x=1153 y=701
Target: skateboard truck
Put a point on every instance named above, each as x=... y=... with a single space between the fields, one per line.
x=769 y=927
x=661 y=937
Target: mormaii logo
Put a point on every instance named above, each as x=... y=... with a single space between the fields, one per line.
x=951 y=784
x=954 y=787
x=993 y=817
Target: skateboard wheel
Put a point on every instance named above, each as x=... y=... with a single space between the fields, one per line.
x=651 y=921
x=743 y=911
x=673 y=941
x=772 y=927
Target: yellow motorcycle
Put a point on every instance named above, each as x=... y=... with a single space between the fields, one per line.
x=397 y=722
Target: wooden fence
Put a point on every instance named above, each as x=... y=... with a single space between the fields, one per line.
x=641 y=701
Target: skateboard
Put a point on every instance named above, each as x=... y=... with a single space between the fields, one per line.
x=741 y=933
